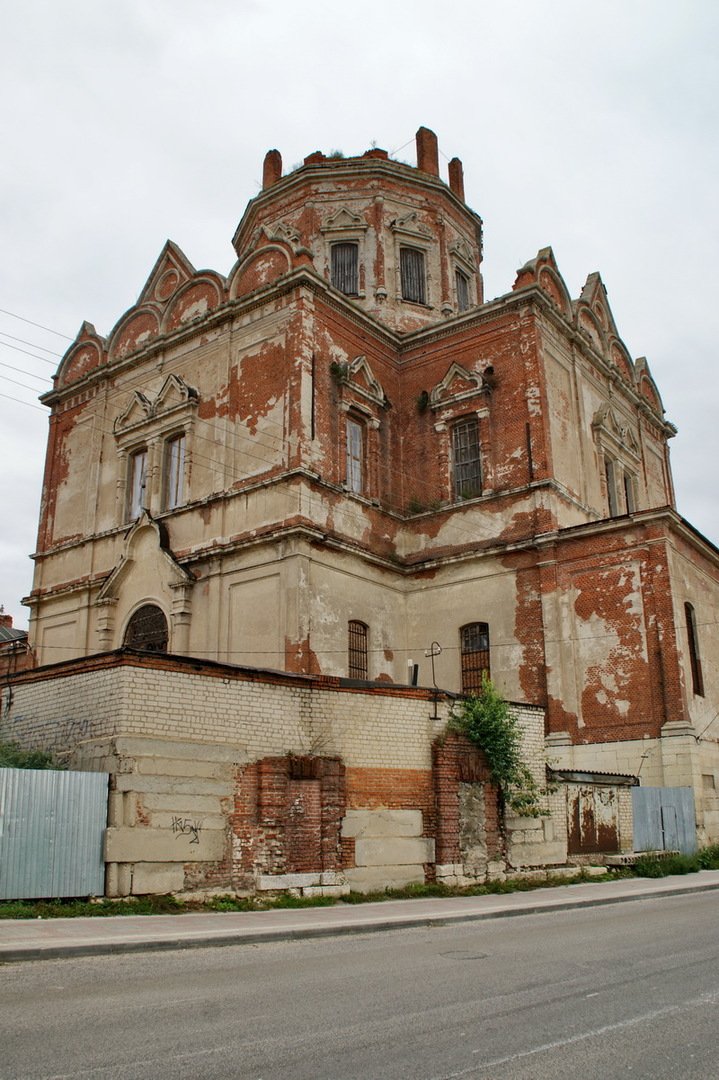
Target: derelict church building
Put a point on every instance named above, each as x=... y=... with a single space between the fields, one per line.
x=342 y=452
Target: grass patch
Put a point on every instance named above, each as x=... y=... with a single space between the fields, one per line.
x=653 y=866
x=647 y=866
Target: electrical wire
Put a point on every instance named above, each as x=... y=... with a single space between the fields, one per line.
x=22 y=318
x=30 y=343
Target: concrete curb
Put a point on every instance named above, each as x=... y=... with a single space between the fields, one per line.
x=249 y=936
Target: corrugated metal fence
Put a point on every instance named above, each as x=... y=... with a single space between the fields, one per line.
x=52 y=826
x=664 y=819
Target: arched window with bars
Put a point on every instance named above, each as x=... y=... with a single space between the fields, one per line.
x=474 y=654
x=357 y=652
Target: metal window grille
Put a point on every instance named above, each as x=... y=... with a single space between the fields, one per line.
x=147 y=629
x=411 y=268
x=461 y=284
x=353 y=476
x=138 y=479
x=694 y=659
x=174 y=471
x=344 y=268
x=467 y=464
x=474 y=651
x=357 y=649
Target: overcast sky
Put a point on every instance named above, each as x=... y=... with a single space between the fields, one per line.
x=592 y=128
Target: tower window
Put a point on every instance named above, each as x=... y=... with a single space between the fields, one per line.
x=147 y=630
x=461 y=284
x=474 y=652
x=694 y=658
x=174 y=471
x=412 y=276
x=137 y=480
x=354 y=455
x=357 y=649
x=344 y=268
x=466 y=459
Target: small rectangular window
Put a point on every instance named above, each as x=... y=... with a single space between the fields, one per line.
x=411 y=268
x=357 y=649
x=344 y=269
x=137 y=480
x=353 y=475
x=461 y=283
x=174 y=471
x=466 y=460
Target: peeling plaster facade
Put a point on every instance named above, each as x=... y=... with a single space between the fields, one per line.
x=318 y=404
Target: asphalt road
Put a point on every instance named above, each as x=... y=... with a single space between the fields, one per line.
x=628 y=990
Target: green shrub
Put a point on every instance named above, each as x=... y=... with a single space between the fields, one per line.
x=486 y=720
x=13 y=756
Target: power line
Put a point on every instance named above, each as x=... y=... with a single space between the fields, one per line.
x=38 y=325
x=7 y=345
x=31 y=343
x=22 y=371
x=41 y=408
x=17 y=382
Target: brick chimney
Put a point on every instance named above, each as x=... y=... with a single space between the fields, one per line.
x=5 y=620
x=456 y=178
x=427 y=151
x=272 y=168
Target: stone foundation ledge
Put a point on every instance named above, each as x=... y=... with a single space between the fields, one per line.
x=307 y=884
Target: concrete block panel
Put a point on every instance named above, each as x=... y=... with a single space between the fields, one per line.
x=169 y=785
x=394 y=851
x=375 y=878
x=163 y=845
x=157 y=878
x=544 y=854
x=287 y=881
x=137 y=746
x=379 y=823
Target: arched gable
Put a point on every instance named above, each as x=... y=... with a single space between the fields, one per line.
x=86 y=354
x=194 y=299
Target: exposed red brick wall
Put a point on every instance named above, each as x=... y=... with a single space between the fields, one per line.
x=287 y=817
x=454 y=761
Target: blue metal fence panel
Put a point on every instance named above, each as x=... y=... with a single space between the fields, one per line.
x=52 y=826
x=664 y=819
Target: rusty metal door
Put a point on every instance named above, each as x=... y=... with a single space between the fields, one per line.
x=592 y=819
x=664 y=819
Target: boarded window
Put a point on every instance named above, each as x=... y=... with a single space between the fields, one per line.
x=461 y=284
x=147 y=629
x=357 y=649
x=354 y=448
x=137 y=479
x=474 y=651
x=694 y=658
x=467 y=470
x=174 y=471
x=344 y=268
x=411 y=267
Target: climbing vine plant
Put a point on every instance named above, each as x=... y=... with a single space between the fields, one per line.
x=486 y=720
